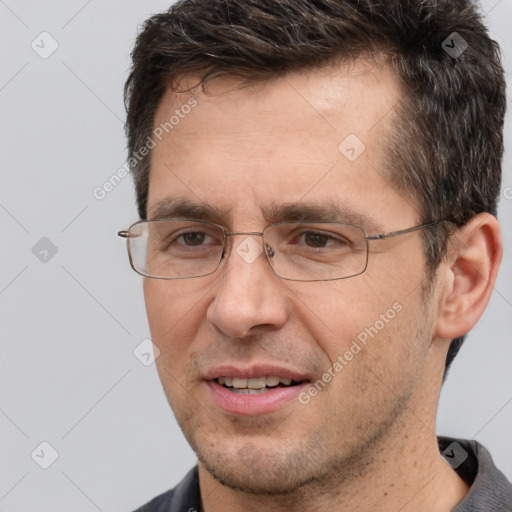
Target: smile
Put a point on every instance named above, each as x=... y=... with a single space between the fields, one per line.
x=255 y=385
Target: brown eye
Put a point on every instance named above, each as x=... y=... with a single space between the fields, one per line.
x=316 y=239
x=196 y=238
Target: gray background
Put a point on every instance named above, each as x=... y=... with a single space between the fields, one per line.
x=69 y=325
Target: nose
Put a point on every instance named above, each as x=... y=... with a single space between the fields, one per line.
x=249 y=298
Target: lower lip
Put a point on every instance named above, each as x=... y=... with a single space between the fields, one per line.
x=263 y=403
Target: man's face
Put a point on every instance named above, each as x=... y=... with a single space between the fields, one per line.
x=243 y=152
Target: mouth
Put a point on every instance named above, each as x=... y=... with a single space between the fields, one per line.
x=255 y=385
x=261 y=388
x=256 y=390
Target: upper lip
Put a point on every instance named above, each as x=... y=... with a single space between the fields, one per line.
x=253 y=371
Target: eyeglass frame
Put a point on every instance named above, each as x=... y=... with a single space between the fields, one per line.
x=380 y=236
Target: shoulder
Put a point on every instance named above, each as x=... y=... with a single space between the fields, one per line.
x=161 y=503
x=185 y=497
x=489 y=488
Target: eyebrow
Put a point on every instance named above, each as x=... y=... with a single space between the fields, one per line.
x=331 y=211
x=178 y=207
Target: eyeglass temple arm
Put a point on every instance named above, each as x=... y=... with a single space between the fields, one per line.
x=402 y=231
x=123 y=234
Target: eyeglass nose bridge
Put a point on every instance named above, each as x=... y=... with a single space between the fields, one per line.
x=255 y=233
x=247 y=233
x=267 y=251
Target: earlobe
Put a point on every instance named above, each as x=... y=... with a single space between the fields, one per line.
x=474 y=256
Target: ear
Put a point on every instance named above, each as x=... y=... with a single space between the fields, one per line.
x=468 y=275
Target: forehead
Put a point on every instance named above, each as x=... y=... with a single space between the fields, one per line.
x=315 y=137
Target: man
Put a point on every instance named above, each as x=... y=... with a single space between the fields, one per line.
x=317 y=184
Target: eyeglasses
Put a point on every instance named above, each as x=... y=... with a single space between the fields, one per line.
x=296 y=251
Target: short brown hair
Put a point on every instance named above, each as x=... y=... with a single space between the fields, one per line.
x=446 y=146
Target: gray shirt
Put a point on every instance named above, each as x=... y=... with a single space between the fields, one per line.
x=489 y=491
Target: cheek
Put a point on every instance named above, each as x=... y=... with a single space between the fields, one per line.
x=382 y=362
x=337 y=313
x=175 y=312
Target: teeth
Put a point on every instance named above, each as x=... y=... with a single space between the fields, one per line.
x=256 y=383
x=239 y=383
x=272 y=381
x=250 y=391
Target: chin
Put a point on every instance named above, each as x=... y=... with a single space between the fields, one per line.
x=254 y=481
x=264 y=472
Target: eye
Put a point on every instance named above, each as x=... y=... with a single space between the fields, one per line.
x=319 y=240
x=193 y=238
x=316 y=239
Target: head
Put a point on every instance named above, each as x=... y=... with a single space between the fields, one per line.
x=275 y=89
